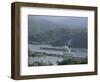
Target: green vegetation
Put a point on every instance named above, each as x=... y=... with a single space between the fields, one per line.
x=73 y=60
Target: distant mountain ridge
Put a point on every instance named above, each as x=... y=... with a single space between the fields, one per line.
x=58 y=37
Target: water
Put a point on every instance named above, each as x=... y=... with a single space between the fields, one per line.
x=56 y=55
x=45 y=59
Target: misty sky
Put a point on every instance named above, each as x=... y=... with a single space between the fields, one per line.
x=68 y=21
